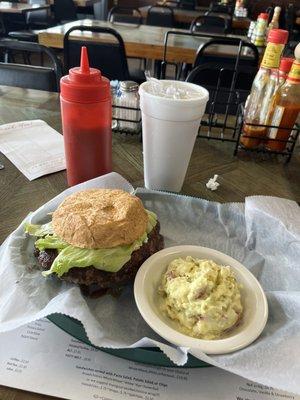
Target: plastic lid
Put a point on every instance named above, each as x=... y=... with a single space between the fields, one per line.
x=263 y=16
x=285 y=64
x=278 y=36
x=84 y=84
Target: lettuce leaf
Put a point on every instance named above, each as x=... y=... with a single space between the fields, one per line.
x=50 y=242
x=39 y=230
x=152 y=221
x=110 y=260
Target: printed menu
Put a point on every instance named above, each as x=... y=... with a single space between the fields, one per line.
x=40 y=357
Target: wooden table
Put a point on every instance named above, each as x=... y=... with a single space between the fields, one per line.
x=81 y=3
x=239 y=177
x=19 y=8
x=187 y=16
x=141 y=41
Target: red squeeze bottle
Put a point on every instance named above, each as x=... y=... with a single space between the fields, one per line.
x=86 y=117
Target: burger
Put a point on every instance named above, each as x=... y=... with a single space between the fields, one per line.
x=98 y=239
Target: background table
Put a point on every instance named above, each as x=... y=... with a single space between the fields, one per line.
x=19 y=8
x=141 y=41
x=79 y=3
x=187 y=16
x=82 y=3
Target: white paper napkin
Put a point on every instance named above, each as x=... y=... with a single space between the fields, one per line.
x=33 y=147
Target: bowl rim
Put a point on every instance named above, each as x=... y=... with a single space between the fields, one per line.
x=216 y=346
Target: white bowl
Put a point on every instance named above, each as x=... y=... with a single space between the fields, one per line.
x=147 y=299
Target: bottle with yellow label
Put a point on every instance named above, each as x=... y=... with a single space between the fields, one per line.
x=258 y=102
x=285 y=110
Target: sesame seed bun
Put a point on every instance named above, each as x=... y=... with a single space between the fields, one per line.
x=100 y=218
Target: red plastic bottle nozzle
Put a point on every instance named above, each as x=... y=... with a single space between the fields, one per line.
x=85 y=84
x=84 y=61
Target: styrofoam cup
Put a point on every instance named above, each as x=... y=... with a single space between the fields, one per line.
x=170 y=128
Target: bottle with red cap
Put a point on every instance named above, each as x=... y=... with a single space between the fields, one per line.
x=285 y=109
x=86 y=118
x=284 y=69
x=259 y=34
x=277 y=78
x=259 y=100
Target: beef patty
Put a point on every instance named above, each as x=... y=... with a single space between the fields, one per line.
x=94 y=282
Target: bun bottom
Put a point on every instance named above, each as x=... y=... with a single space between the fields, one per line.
x=94 y=282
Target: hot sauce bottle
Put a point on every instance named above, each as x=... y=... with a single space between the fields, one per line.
x=258 y=102
x=86 y=118
x=285 y=110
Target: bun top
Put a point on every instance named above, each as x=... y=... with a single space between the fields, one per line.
x=100 y=218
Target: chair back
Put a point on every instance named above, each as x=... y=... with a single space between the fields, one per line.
x=216 y=7
x=250 y=59
x=107 y=54
x=100 y=10
x=211 y=75
x=210 y=24
x=232 y=72
x=64 y=10
x=187 y=4
x=160 y=16
x=126 y=15
x=290 y=15
x=38 y=16
x=228 y=86
x=29 y=76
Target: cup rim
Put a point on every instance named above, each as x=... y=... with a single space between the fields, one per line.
x=202 y=99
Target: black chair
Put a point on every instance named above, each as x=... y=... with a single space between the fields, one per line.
x=231 y=73
x=126 y=15
x=39 y=19
x=100 y=10
x=210 y=76
x=107 y=55
x=217 y=7
x=29 y=76
x=290 y=16
x=204 y=55
x=187 y=4
x=160 y=16
x=64 y=11
x=228 y=87
x=210 y=24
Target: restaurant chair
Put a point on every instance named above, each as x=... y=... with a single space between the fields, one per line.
x=100 y=10
x=64 y=11
x=160 y=16
x=39 y=19
x=232 y=72
x=228 y=87
x=126 y=15
x=204 y=52
x=29 y=76
x=108 y=55
x=290 y=16
x=217 y=7
x=187 y=4
x=210 y=24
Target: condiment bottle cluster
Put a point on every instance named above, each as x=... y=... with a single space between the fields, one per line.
x=273 y=105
